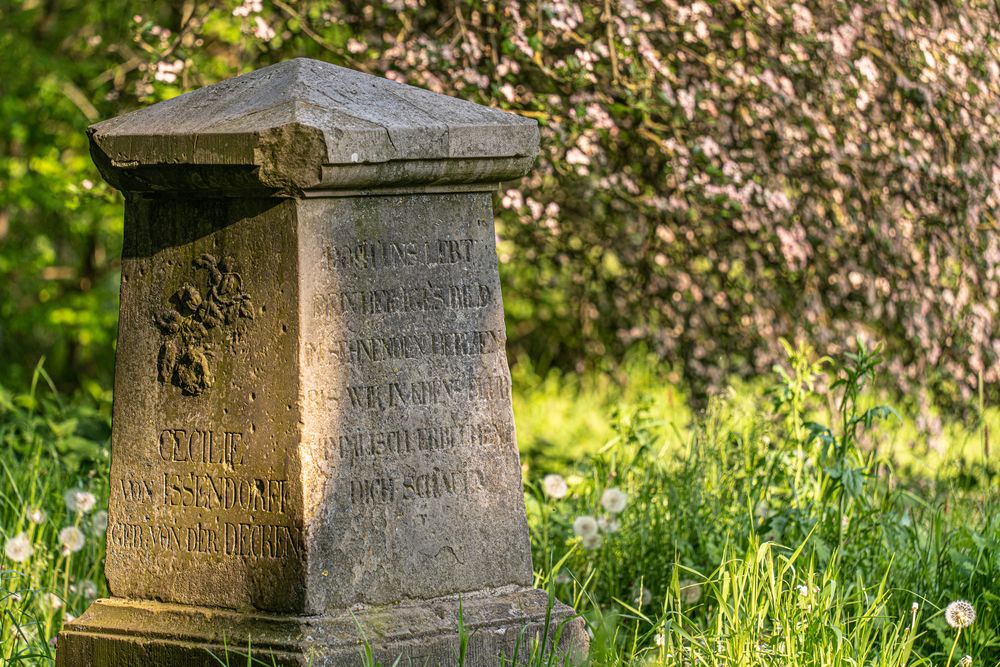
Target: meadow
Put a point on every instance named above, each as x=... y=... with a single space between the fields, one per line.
x=805 y=518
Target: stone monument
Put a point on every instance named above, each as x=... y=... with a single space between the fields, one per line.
x=313 y=443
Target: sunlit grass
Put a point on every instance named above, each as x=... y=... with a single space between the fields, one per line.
x=793 y=521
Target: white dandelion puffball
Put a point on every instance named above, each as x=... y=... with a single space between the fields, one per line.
x=960 y=614
x=609 y=525
x=585 y=526
x=18 y=548
x=50 y=602
x=660 y=639
x=555 y=486
x=37 y=515
x=966 y=661
x=100 y=521
x=593 y=541
x=644 y=597
x=71 y=539
x=88 y=588
x=79 y=501
x=614 y=500
x=690 y=591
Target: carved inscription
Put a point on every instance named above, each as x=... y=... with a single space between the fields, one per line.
x=359 y=351
x=419 y=299
x=199 y=320
x=256 y=540
x=432 y=391
x=178 y=445
x=361 y=444
x=201 y=471
x=438 y=425
x=437 y=483
x=372 y=255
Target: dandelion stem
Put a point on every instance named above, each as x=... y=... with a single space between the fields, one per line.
x=953 y=645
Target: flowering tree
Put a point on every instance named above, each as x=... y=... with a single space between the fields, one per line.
x=714 y=175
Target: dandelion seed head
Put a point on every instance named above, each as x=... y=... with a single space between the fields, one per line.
x=593 y=541
x=614 y=500
x=960 y=614
x=79 y=501
x=611 y=525
x=555 y=486
x=690 y=591
x=18 y=548
x=50 y=602
x=88 y=589
x=37 y=515
x=966 y=661
x=100 y=521
x=585 y=526
x=71 y=539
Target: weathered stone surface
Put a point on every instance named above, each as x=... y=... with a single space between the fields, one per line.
x=312 y=409
x=127 y=633
x=308 y=124
x=410 y=466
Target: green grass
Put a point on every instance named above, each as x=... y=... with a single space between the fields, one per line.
x=794 y=520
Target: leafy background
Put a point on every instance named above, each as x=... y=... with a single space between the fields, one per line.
x=713 y=175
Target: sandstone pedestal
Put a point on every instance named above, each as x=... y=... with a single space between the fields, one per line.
x=313 y=442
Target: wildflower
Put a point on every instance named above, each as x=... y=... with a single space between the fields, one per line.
x=593 y=541
x=660 y=639
x=960 y=614
x=644 y=597
x=71 y=539
x=915 y=607
x=88 y=589
x=262 y=30
x=28 y=635
x=248 y=7
x=803 y=590
x=79 y=501
x=585 y=526
x=555 y=486
x=18 y=548
x=609 y=525
x=37 y=515
x=614 y=500
x=690 y=591
x=50 y=602
x=965 y=661
x=100 y=521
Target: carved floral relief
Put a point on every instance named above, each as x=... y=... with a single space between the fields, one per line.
x=199 y=322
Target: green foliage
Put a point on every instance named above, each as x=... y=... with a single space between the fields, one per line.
x=788 y=524
x=50 y=447
x=713 y=175
x=762 y=537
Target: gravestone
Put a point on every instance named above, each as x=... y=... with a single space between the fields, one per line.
x=313 y=443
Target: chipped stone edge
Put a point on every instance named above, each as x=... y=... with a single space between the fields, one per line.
x=290 y=160
x=118 y=622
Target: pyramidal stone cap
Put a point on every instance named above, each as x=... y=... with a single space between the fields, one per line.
x=308 y=126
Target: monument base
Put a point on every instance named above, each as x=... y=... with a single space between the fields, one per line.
x=499 y=625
